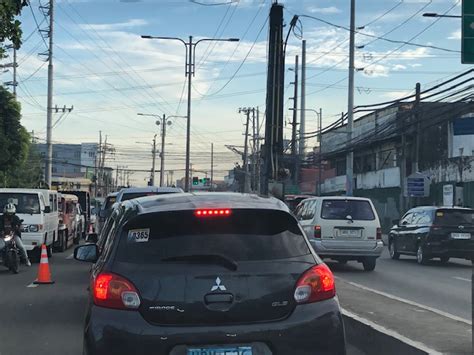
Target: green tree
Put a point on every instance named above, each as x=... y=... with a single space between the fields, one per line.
x=29 y=174
x=14 y=139
x=10 y=27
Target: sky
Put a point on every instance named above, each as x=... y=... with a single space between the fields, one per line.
x=109 y=74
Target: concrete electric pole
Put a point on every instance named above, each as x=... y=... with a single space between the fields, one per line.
x=350 y=107
x=49 y=106
x=303 y=101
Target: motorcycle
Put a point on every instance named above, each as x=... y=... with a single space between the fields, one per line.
x=9 y=253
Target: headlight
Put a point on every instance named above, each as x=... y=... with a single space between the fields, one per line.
x=33 y=228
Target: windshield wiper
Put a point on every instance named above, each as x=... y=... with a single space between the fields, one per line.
x=205 y=259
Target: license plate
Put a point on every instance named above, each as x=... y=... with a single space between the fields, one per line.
x=349 y=233
x=238 y=350
x=461 y=235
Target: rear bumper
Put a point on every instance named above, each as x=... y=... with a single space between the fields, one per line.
x=323 y=251
x=435 y=249
x=32 y=241
x=311 y=329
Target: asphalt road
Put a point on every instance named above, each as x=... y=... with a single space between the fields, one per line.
x=445 y=287
x=48 y=319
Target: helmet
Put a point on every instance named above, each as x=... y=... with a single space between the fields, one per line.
x=9 y=208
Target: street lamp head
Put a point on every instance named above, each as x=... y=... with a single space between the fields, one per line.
x=146 y=36
x=430 y=14
x=158 y=122
x=233 y=40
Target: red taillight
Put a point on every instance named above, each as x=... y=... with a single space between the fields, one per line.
x=212 y=212
x=379 y=233
x=113 y=291
x=317 y=232
x=316 y=284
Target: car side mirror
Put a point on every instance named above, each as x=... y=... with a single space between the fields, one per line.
x=88 y=253
x=92 y=238
x=396 y=222
x=47 y=209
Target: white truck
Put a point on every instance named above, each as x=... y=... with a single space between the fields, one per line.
x=38 y=208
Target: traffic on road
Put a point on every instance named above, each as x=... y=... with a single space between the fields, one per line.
x=236 y=177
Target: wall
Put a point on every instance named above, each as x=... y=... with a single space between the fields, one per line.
x=66 y=159
x=88 y=155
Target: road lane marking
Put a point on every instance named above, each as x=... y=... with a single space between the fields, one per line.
x=70 y=257
x=391 y=333
x=32 y=285
x=461 y=278
x=416 y=304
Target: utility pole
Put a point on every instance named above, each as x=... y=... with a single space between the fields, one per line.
x=320 y=168
x=350 y=107
x=152 y=175
x=15 y=83
x=99 y=164
x=212 y=166
x=418 y=128
x=162 y=153
x=190 y=72
x=294 y=124
x=257 y=173
x=253 y=180
x=49 y=106
x=246 y=111
x=303 y=101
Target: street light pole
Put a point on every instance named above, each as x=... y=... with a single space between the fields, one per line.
x=152 y=177
x=189 y=72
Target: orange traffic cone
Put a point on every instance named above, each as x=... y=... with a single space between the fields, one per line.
x=44 y=276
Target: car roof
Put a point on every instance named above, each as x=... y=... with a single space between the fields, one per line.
x=26 y=191
x=150 y=189
x=432 y=208
x=113 y=194
x=191 y=201
x=337 y=198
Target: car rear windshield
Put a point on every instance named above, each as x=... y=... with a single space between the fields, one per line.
x=244 y=235
x=340 y=209
x=132 y=195
x=454 y=217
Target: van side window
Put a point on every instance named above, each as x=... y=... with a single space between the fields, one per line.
x=308 y=212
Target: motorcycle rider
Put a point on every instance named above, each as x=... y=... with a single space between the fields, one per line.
x=10 y=221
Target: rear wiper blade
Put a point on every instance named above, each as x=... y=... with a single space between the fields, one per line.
x=205 y=259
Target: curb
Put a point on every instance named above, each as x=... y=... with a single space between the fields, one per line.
x=374 y=339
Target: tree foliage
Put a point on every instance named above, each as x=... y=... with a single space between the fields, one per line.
x=10 y=27
x=14 y=139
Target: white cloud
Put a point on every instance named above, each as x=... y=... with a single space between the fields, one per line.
x=455 y=35
x=132 y=23
x=324 y=10
x=398 y=67
x=395 y=95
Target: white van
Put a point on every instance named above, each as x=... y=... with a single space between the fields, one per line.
x=342 y=228
x=39 y=211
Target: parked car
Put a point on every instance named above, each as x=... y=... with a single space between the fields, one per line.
x=209 y=274
x=39 y=210
x=434 y=232
x=136 y=192
x=342 y=228
x=105 y=210
x=68 y=230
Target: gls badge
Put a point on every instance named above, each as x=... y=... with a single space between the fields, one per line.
x=218 y=286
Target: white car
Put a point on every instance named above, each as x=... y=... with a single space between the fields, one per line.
x=38 y=209
x=136 y=192
x=342 y=228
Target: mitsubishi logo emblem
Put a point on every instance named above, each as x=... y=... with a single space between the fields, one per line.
x=218 y=286
x=461 y=227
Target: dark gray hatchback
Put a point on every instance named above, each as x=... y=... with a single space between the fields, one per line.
x=216 y=274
